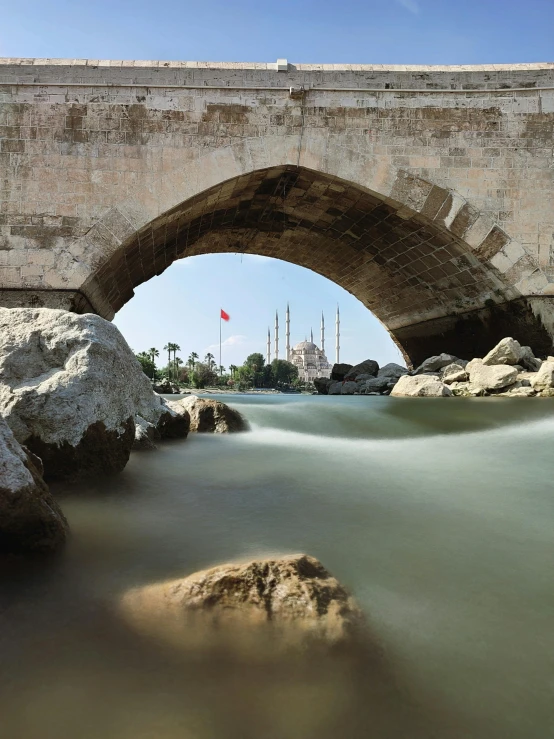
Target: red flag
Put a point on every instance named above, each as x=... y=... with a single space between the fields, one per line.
x=224 y=315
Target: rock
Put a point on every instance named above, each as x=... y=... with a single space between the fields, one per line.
x=339 y=371
x=363 y=377
x=528 y=359
x=547 y=392
x=454 y=373
x=392 y=371
x=376 y=385
x=165 y=387
x=506 y=351
x=349 y=388
x=420 y=386
x=292 y=598
x=209 y=416
x=30 y=518
x=434 y=364
x=335 y=388
x=544 y=378
x=518 y=392
x=322 y=385
x=146 y=434
x=492 y=377
x=70 y=387
x=466 y=390
x=367 y=367
x=472 y=364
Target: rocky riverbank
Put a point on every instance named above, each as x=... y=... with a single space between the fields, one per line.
x=74 y=402
x=508 y=370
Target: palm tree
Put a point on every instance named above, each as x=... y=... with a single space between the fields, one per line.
x=209 y=359
x=176 y=348
x=191 y=361
x=153 y=354
x=169 y=348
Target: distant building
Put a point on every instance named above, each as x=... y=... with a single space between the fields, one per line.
x=309 y=358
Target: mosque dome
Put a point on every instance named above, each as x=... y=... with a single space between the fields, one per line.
x=306 y=347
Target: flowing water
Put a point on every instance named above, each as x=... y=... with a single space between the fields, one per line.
x=437 y=514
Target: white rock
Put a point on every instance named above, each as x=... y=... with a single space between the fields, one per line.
x=492 y=377
x=519 y=392
x=420 y=386
x=209 y=416
x=30 y=518
x=507 y=351
x=454 y=373
x=70 y=387
x=544 y=378
x=146 y=434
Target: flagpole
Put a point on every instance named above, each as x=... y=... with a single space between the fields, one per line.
x=220 y=342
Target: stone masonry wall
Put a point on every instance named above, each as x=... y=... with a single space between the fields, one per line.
x=95 y=154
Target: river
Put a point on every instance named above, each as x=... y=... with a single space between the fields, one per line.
x=437 y=514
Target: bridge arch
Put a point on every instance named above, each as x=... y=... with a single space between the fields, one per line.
x=437 y=273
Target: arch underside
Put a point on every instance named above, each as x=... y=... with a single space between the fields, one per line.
x=409 y=270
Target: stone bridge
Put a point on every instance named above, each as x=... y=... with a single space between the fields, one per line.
x=426 y=192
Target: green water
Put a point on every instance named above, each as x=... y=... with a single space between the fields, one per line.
x=437 y=514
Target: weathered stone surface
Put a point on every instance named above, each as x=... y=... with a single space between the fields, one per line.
x=492 y=377
x=322 y=385
x=294 y=598
x=339 y=371
x=349 y=387
x=30 y=518
x=335 y=388
x=146 y=435
x=367 y=367
x=544 y=378
x=528 y=360
x=507 y=351
x=209 y=416
x=420 y=386
x=454 y=373
x=392 y=371
x=434 y=364
x=376 y=385
x=518 y=392
x=70 y=388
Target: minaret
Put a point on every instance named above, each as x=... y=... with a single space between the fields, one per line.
x=276 y=335
x=312 y=335
x=322 y=333
x=337 y=336
x=268 y=346
x=287 y=338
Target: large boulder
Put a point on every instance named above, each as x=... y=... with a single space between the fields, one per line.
x=322 y=385
x=376 y=385
x=293 y=598
x=335 y=388
x=70 y=387
x=507 y=351
x=392 y=371
x=544 y=378
x=367 y=367
x=339 y=371
x=454 y=373
x=491 y=377
x=434 y=364
x=30 y=518
x=528 y=360
x=209 y=416
x=349 y=388
x=420 y=386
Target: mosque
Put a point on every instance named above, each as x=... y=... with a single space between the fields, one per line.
x=309 y=358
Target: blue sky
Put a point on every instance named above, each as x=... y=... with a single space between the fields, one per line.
x=183 y=304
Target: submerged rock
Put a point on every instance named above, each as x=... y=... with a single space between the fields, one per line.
x=294 y=598
x=420 y=386
x=30 y=518
x=70 y=387
x=507 y=351
x=209 y=416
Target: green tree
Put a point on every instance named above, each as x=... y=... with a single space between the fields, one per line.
x=203 y=375
x=176 y=348
x=146 y=363
x=153 y=354
x=191 y=361
x=209 y=359
x=283 y=372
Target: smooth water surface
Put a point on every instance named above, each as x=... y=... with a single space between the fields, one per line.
x=437 y=514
